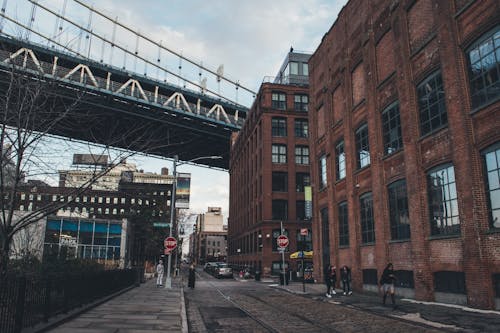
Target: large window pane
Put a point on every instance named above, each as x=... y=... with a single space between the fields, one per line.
x=491 y=158
x=280 y=182
x=362 y=147
x=484 y=68
x=398 y=211
x=343 y=225
x=391 y=128
x=443 y=203
x=278 y=153
x=278 y=127
x=340 y=168
x=431 y=103
x=366 y=215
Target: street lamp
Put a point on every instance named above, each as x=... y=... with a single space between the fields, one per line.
x=168 y=282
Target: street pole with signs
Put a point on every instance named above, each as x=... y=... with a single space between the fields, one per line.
x=168 y=282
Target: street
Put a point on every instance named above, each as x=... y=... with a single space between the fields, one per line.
x=233 y=305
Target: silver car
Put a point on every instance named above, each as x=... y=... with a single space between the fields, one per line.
x=223 y=271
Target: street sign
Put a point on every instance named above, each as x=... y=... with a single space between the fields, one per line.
x=170 y=243
x=161 y=225
x=282 y=241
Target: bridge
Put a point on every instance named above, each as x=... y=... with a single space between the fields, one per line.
x=117 y=105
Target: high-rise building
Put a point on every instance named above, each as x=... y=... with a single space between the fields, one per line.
x=209 y=240
x=405 y=147
x=269 y=170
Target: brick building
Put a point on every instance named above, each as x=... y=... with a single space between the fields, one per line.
x=209 y=240
x=269 y=167
x=405 y=147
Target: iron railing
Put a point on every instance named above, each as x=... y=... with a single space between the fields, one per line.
x=29 y=300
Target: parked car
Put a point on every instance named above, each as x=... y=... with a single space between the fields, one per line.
x=223 y=270
x=210 y=267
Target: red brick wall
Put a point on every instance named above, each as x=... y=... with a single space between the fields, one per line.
x=427 y=35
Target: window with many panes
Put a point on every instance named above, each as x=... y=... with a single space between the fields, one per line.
x=362 y=147
x=491 y=158
x=391 y=129
x=278 y=127
x=322 y=172
x=398 y=211
x=366 y=219
x=343 y=224
x=278 y=153
x=302 y=179
x=302 y=155
x=431 y=104
x=300 y=209
x=340 y=160
x=484 y=68
x=280 y=182
x=443 y=202
x=301 y=103
x=301 y=128
x=278 y=100
x=280 y=209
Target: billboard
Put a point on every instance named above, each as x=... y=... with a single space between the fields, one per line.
x=90 y=159
x=183 y=190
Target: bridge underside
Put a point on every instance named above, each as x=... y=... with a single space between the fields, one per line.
x=101 y=118
x=144 y=120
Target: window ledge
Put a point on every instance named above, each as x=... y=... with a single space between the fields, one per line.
x=343 y=247
x=368 y=244
x=493 y=231
x=400 y=241
x=484 y=106
x=438 y=237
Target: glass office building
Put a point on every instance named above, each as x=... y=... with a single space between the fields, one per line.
x=84 y=238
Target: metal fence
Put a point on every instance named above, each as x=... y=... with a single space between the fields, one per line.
x=26 y=301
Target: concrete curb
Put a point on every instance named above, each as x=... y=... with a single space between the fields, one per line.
x=185 y=327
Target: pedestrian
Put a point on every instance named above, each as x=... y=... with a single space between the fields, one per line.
x=330 y=280
x=387 y=283
x=345 y=276
x=192 y=277
x=159 y=274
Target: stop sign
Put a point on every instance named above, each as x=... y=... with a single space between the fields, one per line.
x=282 y=241
x=170 y=243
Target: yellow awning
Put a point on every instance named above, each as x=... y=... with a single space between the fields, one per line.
x=298 y=255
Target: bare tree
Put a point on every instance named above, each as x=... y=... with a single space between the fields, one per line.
x=34 y=109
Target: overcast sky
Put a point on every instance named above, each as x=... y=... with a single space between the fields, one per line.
x=250 y=38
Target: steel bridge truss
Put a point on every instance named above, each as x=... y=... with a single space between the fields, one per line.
x=194 y=124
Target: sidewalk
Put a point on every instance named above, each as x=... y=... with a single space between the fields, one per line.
x=445 y=316
x=141 y=309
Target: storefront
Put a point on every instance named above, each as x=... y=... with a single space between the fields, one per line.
x=100 y=240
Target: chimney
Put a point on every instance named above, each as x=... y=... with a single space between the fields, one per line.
x=164 y=171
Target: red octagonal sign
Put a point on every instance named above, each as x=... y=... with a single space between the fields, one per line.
x=282 y=241
x=170 y=243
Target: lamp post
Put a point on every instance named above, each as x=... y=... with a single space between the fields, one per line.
x=168 y=282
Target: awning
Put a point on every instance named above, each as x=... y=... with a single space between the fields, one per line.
x=302 y=254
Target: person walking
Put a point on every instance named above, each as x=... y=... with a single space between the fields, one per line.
x=387 y=283
x=192 y=277
x=345 y=277
x=330 y=280
x=159 y=273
